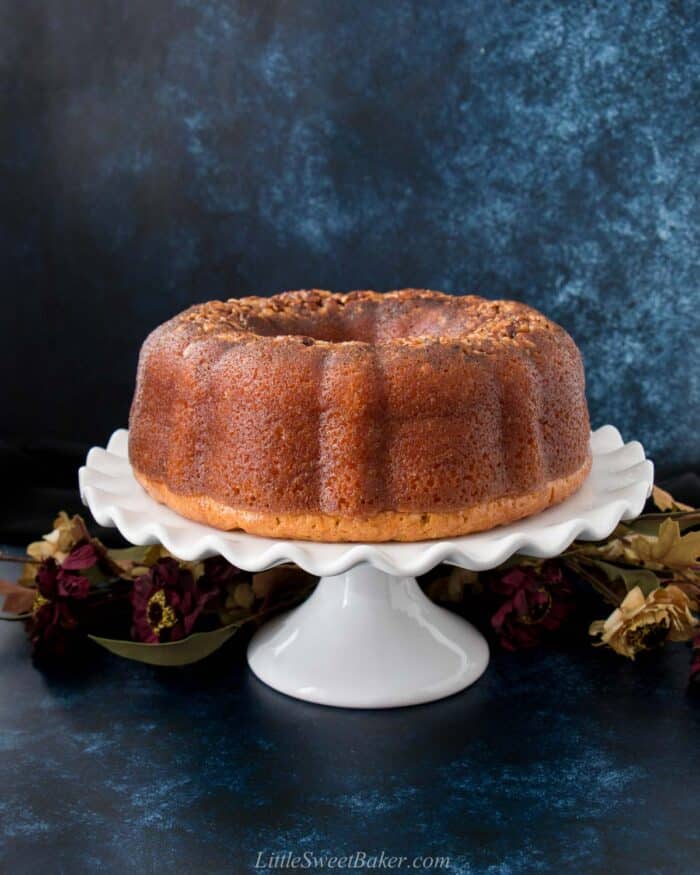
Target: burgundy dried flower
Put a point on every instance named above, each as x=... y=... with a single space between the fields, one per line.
x=53 y=625
x=82 y=556
x=219 y=573
x=533 y=602
x=58 y=581
x=58 y=586
x=166 y=602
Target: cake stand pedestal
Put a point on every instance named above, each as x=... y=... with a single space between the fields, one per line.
x=368 y=637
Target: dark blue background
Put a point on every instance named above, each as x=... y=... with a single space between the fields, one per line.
x=155 y=154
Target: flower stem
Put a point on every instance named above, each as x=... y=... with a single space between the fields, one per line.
x=607 y=593
x=10 y=557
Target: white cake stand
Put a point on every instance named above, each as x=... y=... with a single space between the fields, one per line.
x=368 y=637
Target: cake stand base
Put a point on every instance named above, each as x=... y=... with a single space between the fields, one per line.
x=367 y=639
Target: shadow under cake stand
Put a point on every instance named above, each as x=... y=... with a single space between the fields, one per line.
x=368 y=637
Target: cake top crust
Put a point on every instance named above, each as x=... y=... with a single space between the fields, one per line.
x=367 y=318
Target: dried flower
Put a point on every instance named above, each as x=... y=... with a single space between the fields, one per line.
x=219 y=572
x=58 y=587
x=450 y=588
x=232 y=584
x=238 y=602
x=644 y=623
x=167 y=602
x=666 y=502
x=534 y=602
x=133 y=562
x=668 y=549
x=66 y=533
x=52 y=627
x=63 y=581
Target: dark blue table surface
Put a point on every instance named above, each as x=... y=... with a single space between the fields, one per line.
x=559 y=761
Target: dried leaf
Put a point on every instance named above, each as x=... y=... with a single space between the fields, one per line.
x=173 y=653
x=583 y=569
x=648 y=524
x=18 y=599
x=646 y=580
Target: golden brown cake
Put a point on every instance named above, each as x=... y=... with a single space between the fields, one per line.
x=361 y=416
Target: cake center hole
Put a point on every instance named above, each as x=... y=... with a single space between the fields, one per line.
x=367 y=323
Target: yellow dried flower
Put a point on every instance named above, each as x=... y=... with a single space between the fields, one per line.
x=238 y=603
x=243 y=595
x=57 y=544
x=28 y=574
x=670 y=549
x=666 y=502
x=134 y=562
x=643 y=623
x=66 y=533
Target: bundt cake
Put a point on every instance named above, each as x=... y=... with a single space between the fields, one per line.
x=361 y=416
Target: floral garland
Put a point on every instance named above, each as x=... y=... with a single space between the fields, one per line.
x=144 y=604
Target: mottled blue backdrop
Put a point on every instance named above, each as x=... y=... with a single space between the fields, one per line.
x=155 y=154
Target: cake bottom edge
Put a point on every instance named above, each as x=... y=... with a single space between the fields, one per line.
x=384 y=526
